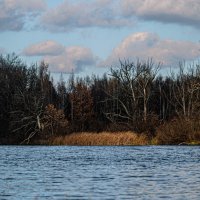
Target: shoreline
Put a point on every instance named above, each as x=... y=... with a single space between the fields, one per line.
x=105 y=138
x=100 y=139
x=126 y=138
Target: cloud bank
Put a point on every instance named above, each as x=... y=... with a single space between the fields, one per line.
x=185 y=12
x=149 y=45
x=99 y=13
x=117 y=13
x=141 y=45
x=14 y=14
x=50 y=48
x=61 y=58
x=69 y=15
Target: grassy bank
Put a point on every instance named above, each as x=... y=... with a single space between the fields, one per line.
x=175 y=132
x=114 y=139
x=100 y=139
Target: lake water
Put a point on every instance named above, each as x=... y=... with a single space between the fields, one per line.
x=151 y=172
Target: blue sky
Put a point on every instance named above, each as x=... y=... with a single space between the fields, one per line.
x=90 y=36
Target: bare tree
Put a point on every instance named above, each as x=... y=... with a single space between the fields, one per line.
x=133 y=85
x=186 y=91
x=147 y=73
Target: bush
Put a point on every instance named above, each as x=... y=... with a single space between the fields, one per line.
x=54 y=121
x=178 y=131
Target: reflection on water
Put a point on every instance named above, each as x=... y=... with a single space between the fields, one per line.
x=38 y=172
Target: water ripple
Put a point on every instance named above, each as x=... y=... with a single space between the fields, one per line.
x=35 y=172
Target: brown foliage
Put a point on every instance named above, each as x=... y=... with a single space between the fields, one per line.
x=178 y=131
x=54 y=121
x=81 y=106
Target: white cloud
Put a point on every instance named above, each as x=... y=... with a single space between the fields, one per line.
x=61 y=58
x=117 y=13
x=167 y=11
x=74 y=58
x=44 y=48
x=14 y=13
x=148 y=45
x=69 y=14
x=98 y=13
x=142 y=45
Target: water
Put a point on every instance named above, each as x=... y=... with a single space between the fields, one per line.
x=39 y=172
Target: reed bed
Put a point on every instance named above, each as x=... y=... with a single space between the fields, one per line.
x=100 y=139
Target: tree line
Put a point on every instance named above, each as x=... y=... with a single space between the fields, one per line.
x=133 y=96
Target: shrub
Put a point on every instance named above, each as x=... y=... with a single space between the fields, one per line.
x=178 y=131
x=54 y=121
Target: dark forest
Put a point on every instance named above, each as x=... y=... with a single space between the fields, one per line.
x=134 y=96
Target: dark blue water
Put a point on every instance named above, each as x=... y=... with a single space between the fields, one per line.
x=38 y=172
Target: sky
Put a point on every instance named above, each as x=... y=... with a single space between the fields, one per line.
x=90 y=36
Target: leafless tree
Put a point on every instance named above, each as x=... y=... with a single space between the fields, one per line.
x=133 y=85
x=186 y=91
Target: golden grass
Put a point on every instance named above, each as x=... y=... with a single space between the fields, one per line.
x=100 y=139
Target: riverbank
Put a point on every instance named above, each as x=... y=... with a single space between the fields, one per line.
x=125 y=138
x=101 y=139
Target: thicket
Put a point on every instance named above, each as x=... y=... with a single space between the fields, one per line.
x=133 y=97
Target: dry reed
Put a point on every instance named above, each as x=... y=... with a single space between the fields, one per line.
x=100 y=139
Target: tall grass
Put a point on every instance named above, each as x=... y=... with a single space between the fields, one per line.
x=100 y=139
